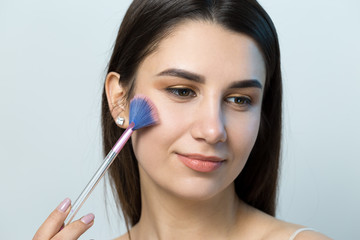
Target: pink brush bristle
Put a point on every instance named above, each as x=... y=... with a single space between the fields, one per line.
x=143 y=112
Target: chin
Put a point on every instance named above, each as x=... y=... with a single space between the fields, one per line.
x=199 y=189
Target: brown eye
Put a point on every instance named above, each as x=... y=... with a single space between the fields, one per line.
x=182 y=92
x=239 y=101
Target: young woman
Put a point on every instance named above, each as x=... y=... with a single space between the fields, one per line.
x=209 y=168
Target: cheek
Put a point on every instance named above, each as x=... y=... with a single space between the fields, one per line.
x=153 y=144
x=241 y=140
x=243 y=134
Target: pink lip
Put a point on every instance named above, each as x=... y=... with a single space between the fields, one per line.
x=200 y=162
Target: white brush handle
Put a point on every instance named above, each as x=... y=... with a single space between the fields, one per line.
x=99 y=173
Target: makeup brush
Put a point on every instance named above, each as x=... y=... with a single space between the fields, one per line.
x=143 y=113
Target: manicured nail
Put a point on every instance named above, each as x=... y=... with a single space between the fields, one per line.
x=64 y=205
x=88 y=218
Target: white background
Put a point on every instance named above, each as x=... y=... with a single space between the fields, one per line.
x=53 y=56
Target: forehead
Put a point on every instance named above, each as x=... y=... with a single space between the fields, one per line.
x=208 y=49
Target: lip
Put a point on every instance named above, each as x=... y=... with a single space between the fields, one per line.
x=201 y=163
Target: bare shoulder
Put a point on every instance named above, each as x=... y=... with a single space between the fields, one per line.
x=272 y=228
x=311 y=235
x=288 y=231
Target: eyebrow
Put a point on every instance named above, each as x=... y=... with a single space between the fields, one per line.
x=248 y=83
x=174 y=72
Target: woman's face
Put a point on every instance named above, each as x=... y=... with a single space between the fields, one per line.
x=207 y=84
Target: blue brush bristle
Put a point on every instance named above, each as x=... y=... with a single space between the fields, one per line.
x=142 y=112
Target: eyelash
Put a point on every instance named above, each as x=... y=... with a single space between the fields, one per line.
x=237 y=101
x=176 y=92
x=244 y=100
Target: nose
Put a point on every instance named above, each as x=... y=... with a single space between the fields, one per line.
x=209 y=122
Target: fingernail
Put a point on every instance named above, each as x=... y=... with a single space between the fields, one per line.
x=88 y=218
x=64 y=205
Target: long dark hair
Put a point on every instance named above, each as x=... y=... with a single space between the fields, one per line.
x=145 y=24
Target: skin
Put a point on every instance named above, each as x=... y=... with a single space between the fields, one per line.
x=204 y=122
x=210 y=117
x=202 y=118
x=53 y=227
x=207 y=117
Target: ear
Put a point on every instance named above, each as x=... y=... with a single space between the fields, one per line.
x=116 y=97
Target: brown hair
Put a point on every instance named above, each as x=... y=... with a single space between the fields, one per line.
x=145 y=24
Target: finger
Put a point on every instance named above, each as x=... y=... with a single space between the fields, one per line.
x=75 y=229
x=54 y=222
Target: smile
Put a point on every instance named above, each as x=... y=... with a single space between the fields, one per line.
x=201 y=163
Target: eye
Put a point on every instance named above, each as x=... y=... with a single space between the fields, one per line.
x=239 y=101
x=182 y=92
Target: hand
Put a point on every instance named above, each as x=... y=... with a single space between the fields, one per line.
x=53 y=227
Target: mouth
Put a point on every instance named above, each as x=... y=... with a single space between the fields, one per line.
x=201 y=163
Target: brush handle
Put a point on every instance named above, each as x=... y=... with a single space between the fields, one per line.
x=99 y=173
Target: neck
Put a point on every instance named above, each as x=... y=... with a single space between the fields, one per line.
x=167 y=216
